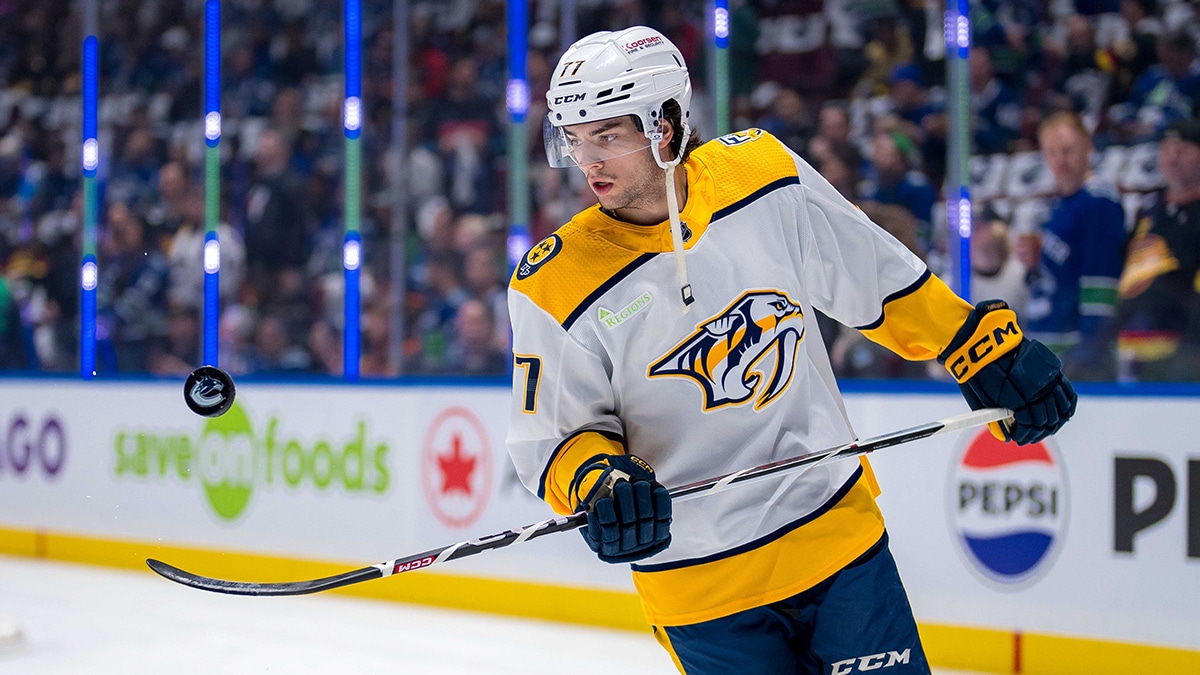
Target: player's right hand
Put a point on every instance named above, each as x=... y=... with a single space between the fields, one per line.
x=628 y=511
x=996 y=366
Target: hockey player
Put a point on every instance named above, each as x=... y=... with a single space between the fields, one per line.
x=666 y=335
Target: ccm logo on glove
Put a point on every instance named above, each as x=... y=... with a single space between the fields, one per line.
x=996 y=334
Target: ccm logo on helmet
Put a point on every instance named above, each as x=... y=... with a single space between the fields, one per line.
x=978 y=351
x=644 y=43
x=569 y=98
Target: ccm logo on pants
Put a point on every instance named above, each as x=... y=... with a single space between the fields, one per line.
x=869 y=663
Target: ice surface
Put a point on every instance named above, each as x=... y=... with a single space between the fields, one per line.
x=84 y=619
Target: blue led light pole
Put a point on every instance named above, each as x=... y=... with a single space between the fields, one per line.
x=89 y=272
x=958 y=190
x=721 y=71
x=352 y=244
x=517 y=100
x=212 y=178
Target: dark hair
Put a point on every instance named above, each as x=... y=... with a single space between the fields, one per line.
x=672 y=113
x=1178 y=38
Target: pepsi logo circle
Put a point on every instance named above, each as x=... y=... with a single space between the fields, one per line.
x=1008 y=508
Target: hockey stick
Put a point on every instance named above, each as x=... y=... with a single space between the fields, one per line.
x=463 y=549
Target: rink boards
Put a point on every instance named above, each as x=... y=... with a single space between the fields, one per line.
x=1079 y=555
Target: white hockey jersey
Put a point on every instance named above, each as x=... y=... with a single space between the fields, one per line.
x=607 y=361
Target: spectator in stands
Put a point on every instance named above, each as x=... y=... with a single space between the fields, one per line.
x=1073 y=277
x=995 y=271
x=13 y=353
x=246 y=90
x=1159 y=310
x=833 y=128
x=135 y=170
x=149 y=92
x=889 y=47
x=1084 y=77
x=274 y=351
x=1166 y=92
x=235 y=334
x=293 y=58
x=896 y=181
x=181 y=351
x=325 y=346
x=131 y=292
x=995 y=108
x=809 y=64
x=914 y=114
x=908 y=98
x=165 y=213
x=53 y=185
x=485 y=282
x=788 y=120
x=47 y=276
x=473 y=349
x=463 y=125
x=1137 y=51
x=443 y=296
x=840 y=166
x=185 y=256
x=277 y=229
x=1009 y=31
x=376 y=341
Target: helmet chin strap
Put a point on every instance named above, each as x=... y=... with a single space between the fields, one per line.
x=685 y=288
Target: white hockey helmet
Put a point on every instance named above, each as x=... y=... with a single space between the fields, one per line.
x=612 y=74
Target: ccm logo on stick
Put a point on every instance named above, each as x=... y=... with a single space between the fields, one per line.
x=868 y=663
x=413 y=565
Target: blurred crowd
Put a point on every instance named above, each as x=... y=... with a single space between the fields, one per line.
x=1086 y=167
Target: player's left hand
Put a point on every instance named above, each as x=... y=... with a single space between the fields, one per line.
x=996 y=366
x=628 y=511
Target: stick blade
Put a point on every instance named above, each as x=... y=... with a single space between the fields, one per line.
x=253 y=588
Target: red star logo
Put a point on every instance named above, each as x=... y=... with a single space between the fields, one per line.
x=456 y=468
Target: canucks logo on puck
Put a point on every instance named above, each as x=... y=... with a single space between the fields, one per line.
x=1008 y=508
x=208 y=391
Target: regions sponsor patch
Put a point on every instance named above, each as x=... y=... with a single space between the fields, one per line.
x=613 y=318
x=1008 y=508
x=539 y=255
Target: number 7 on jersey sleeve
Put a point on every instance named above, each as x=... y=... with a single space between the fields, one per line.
x=533 y=378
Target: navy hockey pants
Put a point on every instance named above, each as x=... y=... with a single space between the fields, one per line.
x=857 y=621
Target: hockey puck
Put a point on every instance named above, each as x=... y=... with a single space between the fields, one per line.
x=208 y=391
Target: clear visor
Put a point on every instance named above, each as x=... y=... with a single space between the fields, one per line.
x=582 y=145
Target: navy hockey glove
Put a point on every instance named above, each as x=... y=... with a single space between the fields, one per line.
x=628 y=512
x=996 y=366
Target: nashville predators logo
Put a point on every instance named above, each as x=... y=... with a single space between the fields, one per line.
x=725 y=355
x=539 y=255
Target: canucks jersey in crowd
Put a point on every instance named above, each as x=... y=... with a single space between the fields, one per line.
x=606 y=359
x=1073 y=294
x=1160 y=293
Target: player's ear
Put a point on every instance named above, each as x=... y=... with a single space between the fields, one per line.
x=668 y=135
